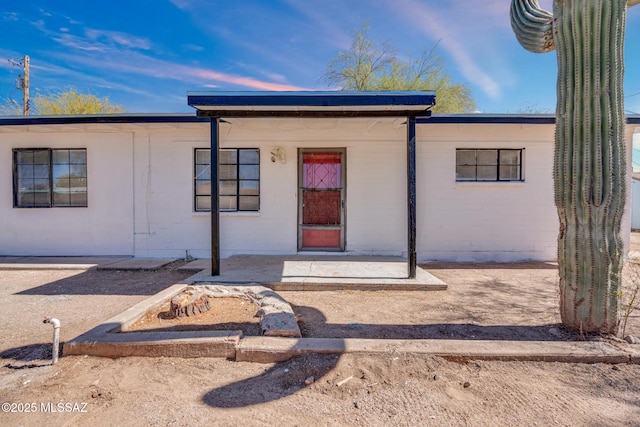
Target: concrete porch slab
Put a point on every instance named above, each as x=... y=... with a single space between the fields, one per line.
x=196 y=265
x=137 y=264
x=56 y=263
x=298 y=273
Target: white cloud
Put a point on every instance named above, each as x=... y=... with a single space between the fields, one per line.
x=321 y=17
x=135 y=63
x=451 y=33
x=40 y=25
x=182 y=4
x=93 y=39
x=117 y=51
x=80 y=43
x=192 y=47
x=10 y=16
x=118 y=38
x=71 y=20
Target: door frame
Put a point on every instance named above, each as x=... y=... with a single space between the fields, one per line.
x=343 y=199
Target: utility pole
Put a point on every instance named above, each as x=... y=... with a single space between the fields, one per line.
x=23 y=82
x=25 y=86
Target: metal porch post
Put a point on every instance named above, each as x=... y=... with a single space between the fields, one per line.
x=215 y=200
x=411 y=196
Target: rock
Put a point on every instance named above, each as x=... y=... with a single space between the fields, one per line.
x=356 y=404
x=344 y=381
x=279 y=324
x=277 y=318
x=309 y=380
x=632 y=339
x=466 y=384
x=436 y=377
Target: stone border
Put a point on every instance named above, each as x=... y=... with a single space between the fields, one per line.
x=276 y=315
x=270 y=350
x=111 y=339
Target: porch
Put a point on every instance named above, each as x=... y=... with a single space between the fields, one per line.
x=318 y=273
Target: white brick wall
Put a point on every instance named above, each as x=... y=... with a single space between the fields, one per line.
x=141 y=191
x=469 y=221
x=103 y=228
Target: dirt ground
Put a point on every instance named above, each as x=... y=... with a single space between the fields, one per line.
x=484 y=301
x=228 y=314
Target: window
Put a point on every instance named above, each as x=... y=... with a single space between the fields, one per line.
x=488 y=165
x=238 y=175
x=44 y=178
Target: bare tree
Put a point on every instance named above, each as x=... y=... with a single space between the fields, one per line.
x=376 y=66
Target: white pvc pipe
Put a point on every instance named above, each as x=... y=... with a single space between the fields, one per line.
x=56 y=337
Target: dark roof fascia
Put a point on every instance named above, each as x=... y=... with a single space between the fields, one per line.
x=229 y=114
x=103 y=119
x=536 y=119
x=542 y=119
x=310 y=98
x=311 y=104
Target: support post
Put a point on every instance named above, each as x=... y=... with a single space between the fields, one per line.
x=411 y=196
x=215 y=200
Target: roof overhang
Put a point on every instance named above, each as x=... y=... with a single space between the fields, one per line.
x=99 y=119
x=312 y=104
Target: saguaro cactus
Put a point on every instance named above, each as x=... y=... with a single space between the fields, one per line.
x=590 y=161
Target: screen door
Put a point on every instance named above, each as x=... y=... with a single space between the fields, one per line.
x=321 y=215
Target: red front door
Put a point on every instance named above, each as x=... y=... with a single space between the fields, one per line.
x=321 y=198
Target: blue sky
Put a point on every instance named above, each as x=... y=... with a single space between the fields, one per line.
x=146 y=54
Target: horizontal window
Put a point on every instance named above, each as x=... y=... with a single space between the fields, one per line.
x=488 y=164
x=44 y=178
x=238 y=179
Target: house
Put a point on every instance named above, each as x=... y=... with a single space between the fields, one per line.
x=302 y=172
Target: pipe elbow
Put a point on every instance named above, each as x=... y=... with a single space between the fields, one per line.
x=54 y=322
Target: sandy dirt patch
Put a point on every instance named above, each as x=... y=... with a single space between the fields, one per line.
x=226 y=314
x=488 y=301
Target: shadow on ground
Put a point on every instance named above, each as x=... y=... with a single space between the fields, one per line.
x=99 y=282
x=38 y=355
x=440 y=332
x=313 y=325
x=281 y=380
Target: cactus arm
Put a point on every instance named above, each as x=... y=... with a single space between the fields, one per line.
x=533 y=26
